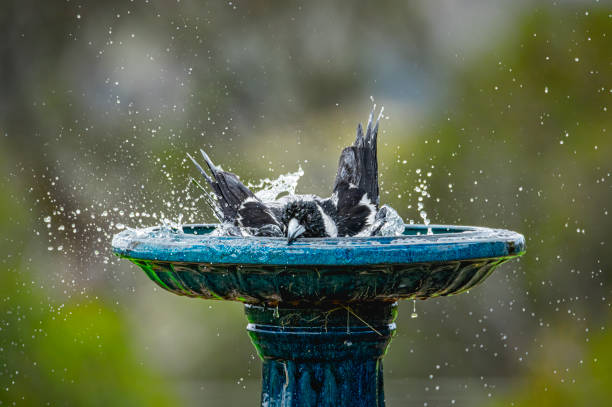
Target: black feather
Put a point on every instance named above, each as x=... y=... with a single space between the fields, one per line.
x=358 y=164
x=230 y=192
x=351 y=215
x=238 y=204
x=305 y=211
x=255 y=214
x=268 y=230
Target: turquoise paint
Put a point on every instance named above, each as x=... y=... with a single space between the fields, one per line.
x=321 y=311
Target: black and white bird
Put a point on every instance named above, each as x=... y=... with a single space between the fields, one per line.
x=352 y=209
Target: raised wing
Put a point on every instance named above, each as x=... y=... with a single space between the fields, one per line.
x=354 y=212
x=238 y=204
x=255 y=214
x=358 y=164
x=356 y=195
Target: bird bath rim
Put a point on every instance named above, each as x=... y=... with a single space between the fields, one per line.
x=194 y=245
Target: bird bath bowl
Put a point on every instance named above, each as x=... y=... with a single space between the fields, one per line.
x=321 y=311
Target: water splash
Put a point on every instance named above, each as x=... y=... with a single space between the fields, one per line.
x=170 y=227
x=394 y=224
x=422 y=190
x=414 y=313
x=386 y=223
x=269 y=190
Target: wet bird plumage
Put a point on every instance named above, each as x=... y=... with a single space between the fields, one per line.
x=353 y=208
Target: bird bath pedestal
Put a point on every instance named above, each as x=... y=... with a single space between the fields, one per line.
x=321 y=311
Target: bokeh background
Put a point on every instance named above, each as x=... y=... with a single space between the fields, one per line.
x=499 y=109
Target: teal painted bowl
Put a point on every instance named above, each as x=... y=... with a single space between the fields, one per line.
x=260 y=270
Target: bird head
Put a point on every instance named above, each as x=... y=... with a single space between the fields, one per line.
x=303 y=218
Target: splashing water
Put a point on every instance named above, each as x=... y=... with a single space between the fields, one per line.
x=386 y=223
x=394 y=224
x=422 y=189
x=270 y=190
x=169 y=227
x=414 y=313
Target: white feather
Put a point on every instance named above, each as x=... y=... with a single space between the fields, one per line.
x=330 y=225
x=249 y=199
x=365 y=201
x=334 y=199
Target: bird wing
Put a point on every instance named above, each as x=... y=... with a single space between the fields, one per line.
x=356 y=194
x=255 y=214
x=353 y=209
x=358 y=164
x=237 y=202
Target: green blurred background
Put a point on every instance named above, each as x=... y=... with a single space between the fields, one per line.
x=501 y=109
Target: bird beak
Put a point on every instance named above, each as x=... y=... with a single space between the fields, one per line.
x=294 y=230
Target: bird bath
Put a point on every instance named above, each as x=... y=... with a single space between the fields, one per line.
x=321 y=311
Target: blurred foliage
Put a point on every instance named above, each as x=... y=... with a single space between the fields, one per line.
x=58 y=351
x=587 y=383
x=506 y=106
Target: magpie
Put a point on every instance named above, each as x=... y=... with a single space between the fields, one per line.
x=352 y=210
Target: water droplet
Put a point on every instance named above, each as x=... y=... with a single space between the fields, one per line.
x=414 y=313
